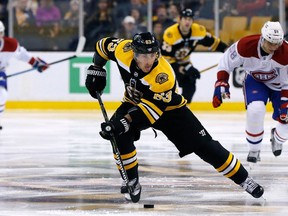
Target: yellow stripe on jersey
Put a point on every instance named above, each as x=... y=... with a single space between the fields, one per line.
x=183 y=103
x=100 y=50
x=151 y=111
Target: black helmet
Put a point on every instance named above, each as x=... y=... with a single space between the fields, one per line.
x=144 y=43
x=187 y=12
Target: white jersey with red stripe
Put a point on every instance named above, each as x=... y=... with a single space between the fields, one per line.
x=271 y=69
x=9 y=48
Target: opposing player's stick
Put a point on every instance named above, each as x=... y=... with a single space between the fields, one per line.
x=208 y=68
x=114 y=146
x=80 y=47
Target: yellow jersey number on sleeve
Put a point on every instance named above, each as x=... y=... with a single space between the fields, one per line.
x=165 y=97
x=113 y=44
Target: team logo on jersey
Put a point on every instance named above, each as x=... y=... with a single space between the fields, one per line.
x=264 y=76
x=161 y=78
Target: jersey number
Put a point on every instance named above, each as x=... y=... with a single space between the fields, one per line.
x=165 y=97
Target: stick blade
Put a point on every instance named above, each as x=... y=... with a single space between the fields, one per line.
x=80 y=46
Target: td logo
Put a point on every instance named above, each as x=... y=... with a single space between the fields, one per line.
x=77 y=74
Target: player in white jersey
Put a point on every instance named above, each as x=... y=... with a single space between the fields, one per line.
x=9 y=48
x=264 y=58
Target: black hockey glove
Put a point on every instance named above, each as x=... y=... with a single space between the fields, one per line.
x=114 y=127
x=190 y=71
x=95 y=80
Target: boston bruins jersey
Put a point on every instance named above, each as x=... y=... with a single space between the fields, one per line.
x=156 y=90
x=177 y=47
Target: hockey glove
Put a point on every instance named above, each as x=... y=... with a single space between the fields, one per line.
x=221 y=91
x=190 y=71
x=284 y=111
x=114 y=127
x=38 y=64
x=95 y=80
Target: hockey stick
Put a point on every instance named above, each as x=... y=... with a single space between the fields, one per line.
x=114 y=145
x=208 y=68
x=80 y=47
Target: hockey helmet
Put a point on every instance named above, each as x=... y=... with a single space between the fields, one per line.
x=2 y=27
x=272 y=32
x=187 y=12
x=143 y=43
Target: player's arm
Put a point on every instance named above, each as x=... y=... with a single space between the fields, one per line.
x=96 y=73
x=214 y=43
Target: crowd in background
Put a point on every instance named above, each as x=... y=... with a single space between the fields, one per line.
x=53 y=25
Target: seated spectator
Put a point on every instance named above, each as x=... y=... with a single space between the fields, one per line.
x=24 y=24
x=173 y=12
x=99 y=24
x=139 y=19
x=158 y=31
x=128 y=28
x=70 y=25
x=162 y=17
x=48 y=18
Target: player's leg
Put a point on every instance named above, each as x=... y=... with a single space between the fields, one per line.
x=127 y=149
x=188 y=135
x=279 y=134
x=256 y=96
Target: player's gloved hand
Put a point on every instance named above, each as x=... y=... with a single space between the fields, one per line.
x=190 y=71
x=114 y=127
x=95 y=80
x=221 y=91
x=38 y=64
x=284 y=111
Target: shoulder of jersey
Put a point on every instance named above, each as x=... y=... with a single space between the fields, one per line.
x=10 y=44
x=123 y=52
x=247 y=46
x=163 y=75
x=198 y=30
x=172 y=34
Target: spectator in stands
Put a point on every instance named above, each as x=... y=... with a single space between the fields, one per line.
x=127 y=29
x=140 y=20
x=24 y=23
x=99 y=24
x=173 y=12
x=71 y=24
x=251 y=8
x=227 y=8
x=162 y=17
x=48 y=18
x=158 y=31
x=206 y=10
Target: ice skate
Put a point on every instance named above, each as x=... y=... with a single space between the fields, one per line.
x=135 y=189
x=276 y=147
x=252 y=187
x=253 y=156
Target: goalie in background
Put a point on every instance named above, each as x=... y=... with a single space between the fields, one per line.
x=179 y=41
x=151 y=101
x=9 y=48
x=264 y=58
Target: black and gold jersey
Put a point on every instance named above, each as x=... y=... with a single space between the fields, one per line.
x=177 y=47
x=158 y=88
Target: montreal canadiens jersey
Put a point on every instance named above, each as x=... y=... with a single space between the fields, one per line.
x=9 y=48
x=271 y=69
x=177 y=48
x=158 y=87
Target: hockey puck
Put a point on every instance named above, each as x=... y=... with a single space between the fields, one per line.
x=148 y=206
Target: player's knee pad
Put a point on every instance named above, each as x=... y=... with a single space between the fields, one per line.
x=282 y=131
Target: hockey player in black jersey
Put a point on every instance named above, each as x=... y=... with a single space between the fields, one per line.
x=151 y=100
x=179 y=41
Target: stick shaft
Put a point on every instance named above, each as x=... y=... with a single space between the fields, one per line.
x=114 y=144
x=208 y=68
